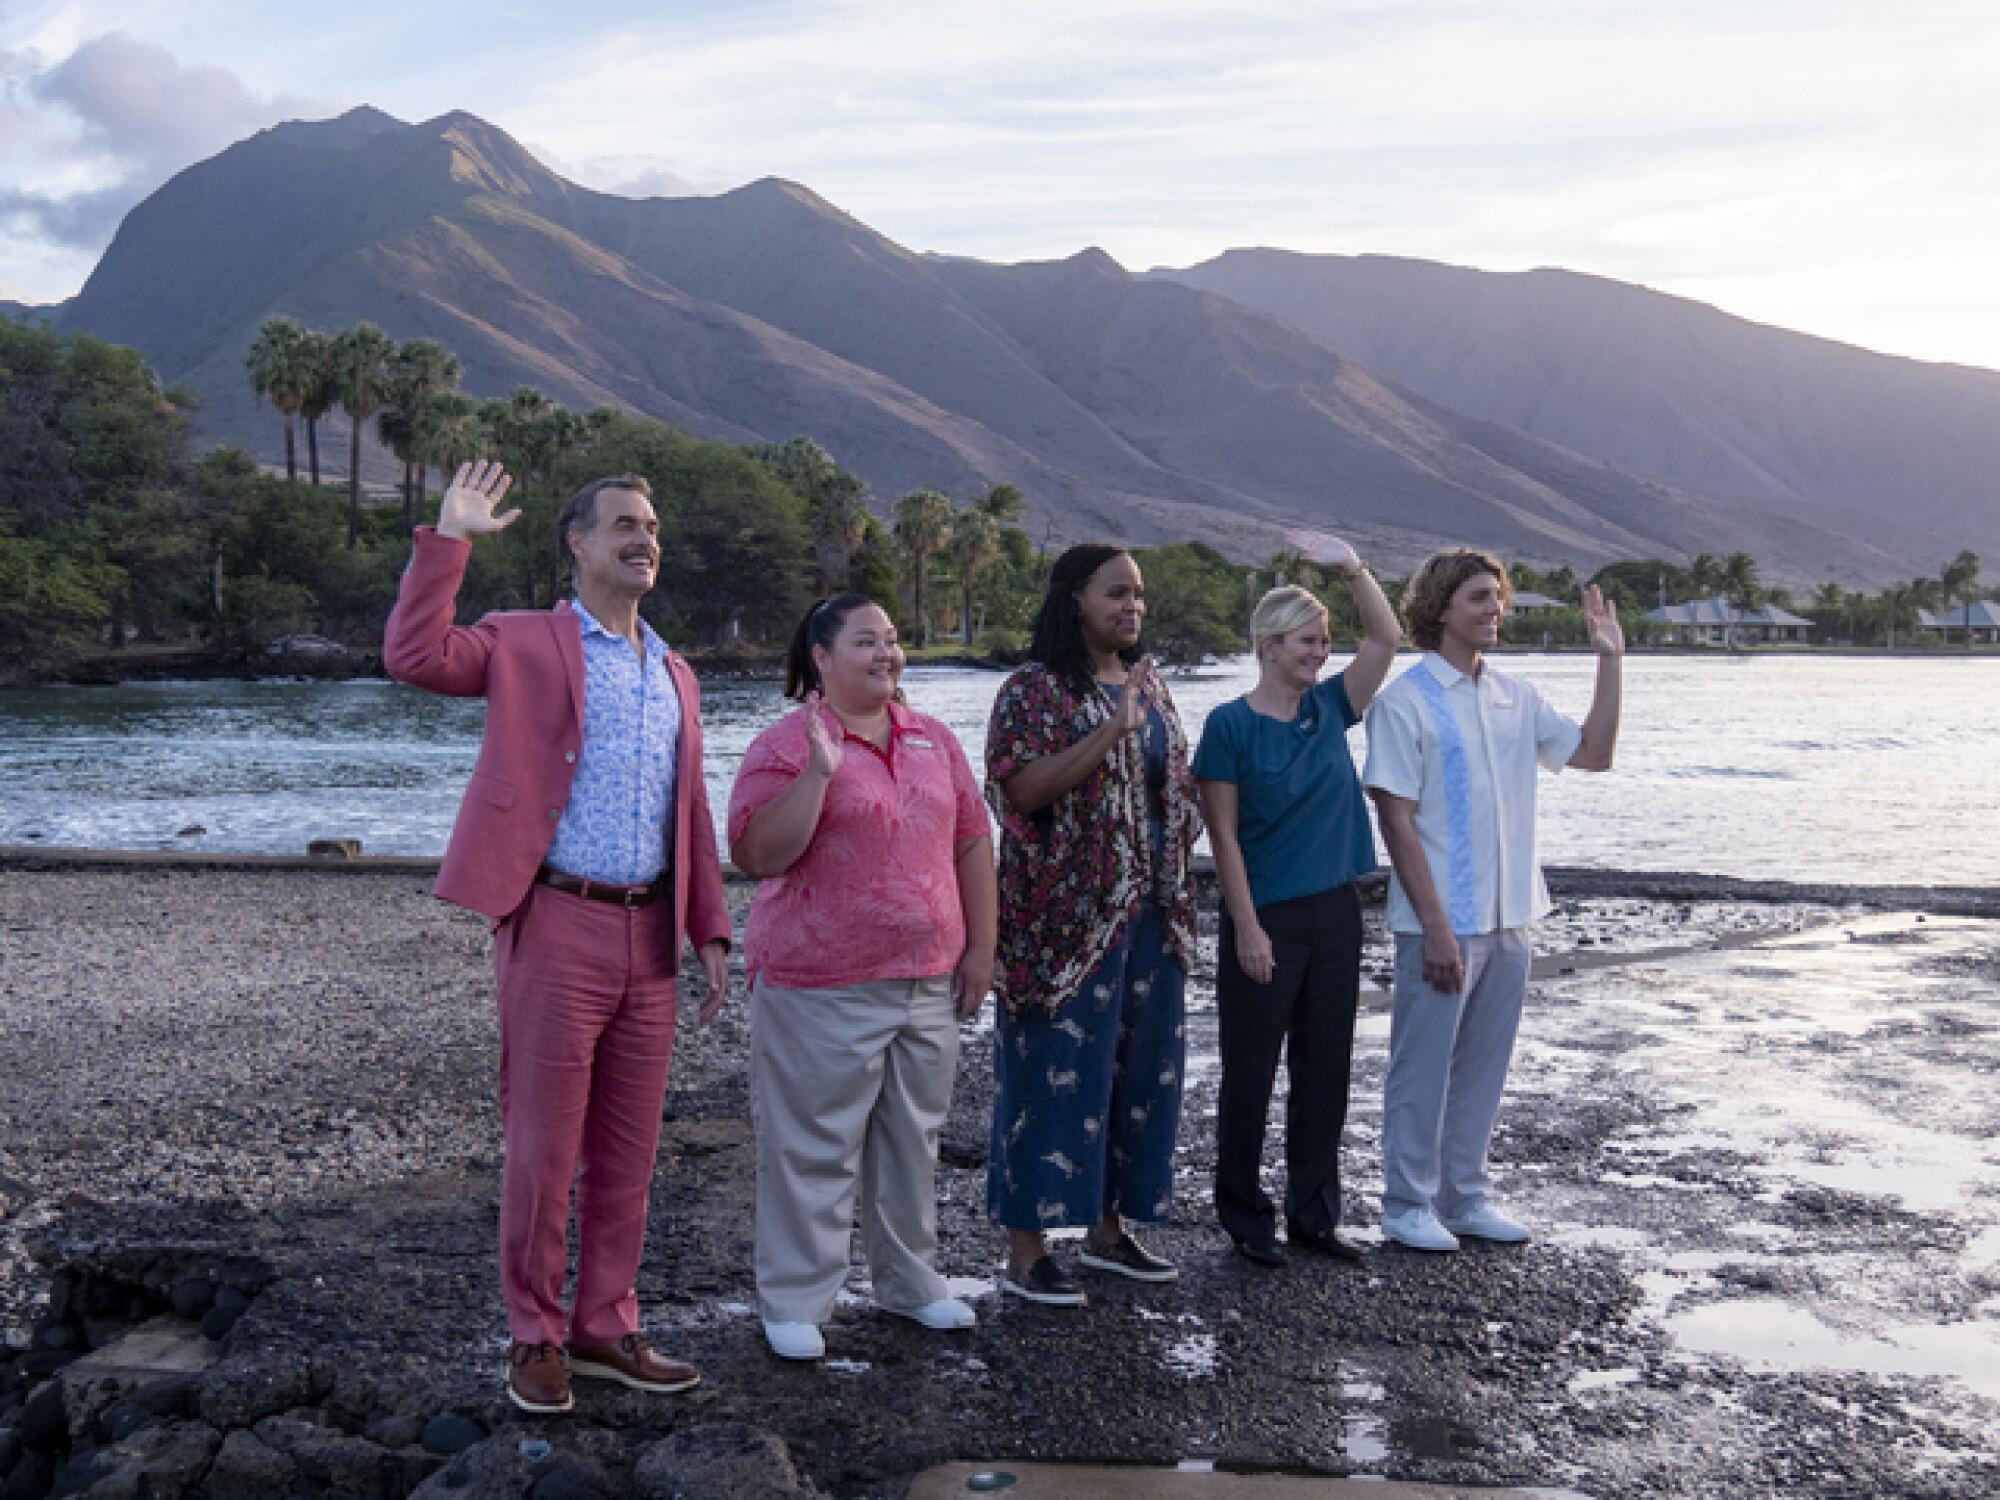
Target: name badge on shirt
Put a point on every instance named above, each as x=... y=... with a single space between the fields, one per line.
x=918 y=742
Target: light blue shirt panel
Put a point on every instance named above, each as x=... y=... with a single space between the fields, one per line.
x=621 y=803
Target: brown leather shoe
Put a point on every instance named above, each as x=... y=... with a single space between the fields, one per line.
x=631 y=1362
x=538 y=1378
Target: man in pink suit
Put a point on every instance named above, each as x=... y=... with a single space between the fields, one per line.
x=585 y=840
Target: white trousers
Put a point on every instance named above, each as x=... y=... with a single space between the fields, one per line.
x=849 y=1088
x=1448 y=1057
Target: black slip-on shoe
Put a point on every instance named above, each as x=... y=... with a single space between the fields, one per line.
x=1045 y=1282
x=1328 y=1242
x=1127 y=1258
x=1260 y=1250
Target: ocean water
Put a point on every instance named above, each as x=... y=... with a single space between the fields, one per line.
x=1814 y=768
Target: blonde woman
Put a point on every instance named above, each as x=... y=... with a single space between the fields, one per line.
x=1289 y=829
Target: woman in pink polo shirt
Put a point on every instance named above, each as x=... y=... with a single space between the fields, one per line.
x=870 y=939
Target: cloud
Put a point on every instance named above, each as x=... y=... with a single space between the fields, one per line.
x=86 y=137
x=655 y=182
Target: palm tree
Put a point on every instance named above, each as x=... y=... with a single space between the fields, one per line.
x=1959 y=579
x=415 y=371
x=973 y=546
x=923 y=524
x=320 y=390
x=1829 y=608
x=278 y=374
x=360 y=360
x=510 y=425
x=1004 y=504
x=1705 y=576
x=444 y=434
x=836 y=503
x=1739 y=587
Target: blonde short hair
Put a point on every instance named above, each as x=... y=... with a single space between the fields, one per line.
x=1442 y=575
x=1283 y=610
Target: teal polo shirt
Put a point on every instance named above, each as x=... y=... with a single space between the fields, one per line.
x=1300 y=819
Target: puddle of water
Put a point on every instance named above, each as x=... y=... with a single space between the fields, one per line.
x=1983 y=1253
x=1194 y=1356
x=1773 y=1335
x=1365 y=1440
x=1598 y=1380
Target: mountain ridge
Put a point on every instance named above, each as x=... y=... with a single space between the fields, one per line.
x=1130 y=406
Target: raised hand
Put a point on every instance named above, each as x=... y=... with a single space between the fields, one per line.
x=1324 y=549
x=475 y=492
x=1132 y=702
x=824 y=744
x=1600 y=618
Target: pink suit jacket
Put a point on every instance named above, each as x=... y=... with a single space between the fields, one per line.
x=528 y=666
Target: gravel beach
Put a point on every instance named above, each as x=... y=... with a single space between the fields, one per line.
x=249 y=1112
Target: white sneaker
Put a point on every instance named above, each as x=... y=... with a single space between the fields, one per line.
x=1485 y=1222
x=1419 y=1229
x=945 y=1314
x=794 y=1340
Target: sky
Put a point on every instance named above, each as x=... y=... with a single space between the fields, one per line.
x=1823 y=165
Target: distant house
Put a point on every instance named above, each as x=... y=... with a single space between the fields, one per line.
x=1981 y=617
x=1527 y=603
x=1717 y=622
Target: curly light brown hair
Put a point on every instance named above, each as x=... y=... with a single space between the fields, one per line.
x=1431 y=587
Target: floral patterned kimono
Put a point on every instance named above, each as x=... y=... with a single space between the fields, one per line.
x=1097 y=929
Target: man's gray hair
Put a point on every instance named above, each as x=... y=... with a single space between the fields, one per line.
x=579 y=513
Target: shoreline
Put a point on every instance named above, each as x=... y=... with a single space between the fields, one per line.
x=335 y=663
x=1564 y=881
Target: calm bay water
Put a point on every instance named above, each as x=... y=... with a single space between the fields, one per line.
x=1786 y=767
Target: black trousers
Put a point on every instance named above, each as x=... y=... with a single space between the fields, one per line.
x=1306 y=1011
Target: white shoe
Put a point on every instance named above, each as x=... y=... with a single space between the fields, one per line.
x=794 y=1340
x=945 y=1314
x=1419 y=1229
x=1485 y=1222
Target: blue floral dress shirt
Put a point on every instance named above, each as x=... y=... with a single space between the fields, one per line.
x=621 y=804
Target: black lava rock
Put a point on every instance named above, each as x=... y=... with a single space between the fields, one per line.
x=450 y=1434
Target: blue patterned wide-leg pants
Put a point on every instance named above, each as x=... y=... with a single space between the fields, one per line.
x=1088 y=1101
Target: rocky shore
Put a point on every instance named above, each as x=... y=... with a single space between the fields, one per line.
x=248 y=1166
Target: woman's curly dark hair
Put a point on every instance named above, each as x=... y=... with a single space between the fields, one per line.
x=1058 y=642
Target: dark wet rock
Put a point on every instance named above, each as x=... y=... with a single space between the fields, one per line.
x=121 y=1421
x=156 y=1463
x=247 y=1469
x=169 y=1395
x=492 y=1470
x=244 y=1388
x=324 y=1455
x=394 y=1429
x=192 y=1297
x=564 y=1478
x=32 y=1477
x=44 y=1422
x=721 y=1459
x=449 y=1433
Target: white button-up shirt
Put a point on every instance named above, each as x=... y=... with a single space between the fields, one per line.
x=1506 y=728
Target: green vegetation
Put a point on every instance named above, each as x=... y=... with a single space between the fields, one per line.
x=114 y=531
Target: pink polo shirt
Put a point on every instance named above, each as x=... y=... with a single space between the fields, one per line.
x=875 y=895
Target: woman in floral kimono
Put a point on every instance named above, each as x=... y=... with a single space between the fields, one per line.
x=1088 y=767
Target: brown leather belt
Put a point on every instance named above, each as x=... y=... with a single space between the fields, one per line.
x=627 y=896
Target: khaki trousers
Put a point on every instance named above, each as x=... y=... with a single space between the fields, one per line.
x=849 y=1088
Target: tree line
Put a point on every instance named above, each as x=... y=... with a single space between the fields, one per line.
x=114 y=529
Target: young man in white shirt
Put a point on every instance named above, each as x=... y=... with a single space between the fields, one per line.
x=1453 y=747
